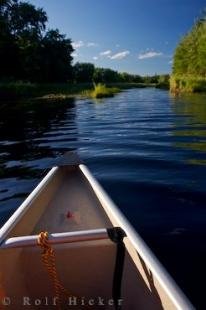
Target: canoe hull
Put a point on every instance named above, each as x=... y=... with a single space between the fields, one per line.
x=70 y=199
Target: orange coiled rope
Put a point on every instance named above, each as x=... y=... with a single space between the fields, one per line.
x=48 y=259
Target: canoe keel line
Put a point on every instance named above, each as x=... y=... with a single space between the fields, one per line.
x=91 y=260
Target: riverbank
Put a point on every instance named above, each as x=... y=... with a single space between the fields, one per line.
x=187 y=84
x=20 y=90
x=16 y=91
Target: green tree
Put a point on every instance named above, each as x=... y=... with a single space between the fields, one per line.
x=137 y=79
x=190 y=54
x=8 y=46
x=189 y=61
x=110 y=76
x=83 y=72
x=98 y=75
x=27 y=51
x=56 y=57
x=153 y=79
x=24 y=18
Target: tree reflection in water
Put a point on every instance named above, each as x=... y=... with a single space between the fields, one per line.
x=191 y=132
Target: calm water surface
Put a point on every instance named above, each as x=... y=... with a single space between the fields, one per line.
x=147 y=149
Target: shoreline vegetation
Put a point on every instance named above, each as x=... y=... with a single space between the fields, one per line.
x=100 y=91
x=34 y=92
x=189 y=62
x=187 y=84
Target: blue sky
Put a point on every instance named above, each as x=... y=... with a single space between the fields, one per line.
x=136 y=36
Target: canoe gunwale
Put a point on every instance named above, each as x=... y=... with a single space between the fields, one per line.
x=18 y=214
x=166 y=281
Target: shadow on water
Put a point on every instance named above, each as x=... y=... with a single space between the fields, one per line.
x=26 y=134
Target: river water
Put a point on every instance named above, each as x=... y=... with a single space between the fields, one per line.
x=146 y=148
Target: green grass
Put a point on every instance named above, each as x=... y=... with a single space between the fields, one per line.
x=187 y=84
x=101 y=91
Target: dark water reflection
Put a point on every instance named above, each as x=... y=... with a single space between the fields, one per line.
x=146 y=148
x=23 y=159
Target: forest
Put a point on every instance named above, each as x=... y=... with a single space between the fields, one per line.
x=28 y=51
x=189 y=63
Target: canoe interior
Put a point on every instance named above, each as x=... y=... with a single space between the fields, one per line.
x=68 y=203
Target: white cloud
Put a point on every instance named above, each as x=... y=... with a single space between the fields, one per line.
x=80 y=43
x=91 y=44
x=74 y=55
x=77 y=44
x=149 y=54
x=170 y=62
x=120 y=55
x=95 y=57
x=105 y=53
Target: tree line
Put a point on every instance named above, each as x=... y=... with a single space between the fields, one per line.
x=189 y=61
x=87 y=72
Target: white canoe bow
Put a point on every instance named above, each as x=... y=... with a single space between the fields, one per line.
x=100 y=258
